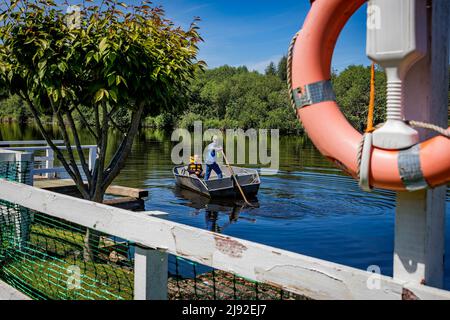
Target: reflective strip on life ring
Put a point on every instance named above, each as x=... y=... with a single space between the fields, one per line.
x=424 y=165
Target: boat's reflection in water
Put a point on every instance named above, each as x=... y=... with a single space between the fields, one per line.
x=214 y=208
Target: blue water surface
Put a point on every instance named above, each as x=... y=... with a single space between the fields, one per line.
x=309 y=207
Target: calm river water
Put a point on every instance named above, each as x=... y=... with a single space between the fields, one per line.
x=309 y=207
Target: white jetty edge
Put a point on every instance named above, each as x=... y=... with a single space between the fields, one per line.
x=9 y=293
x=315 y=278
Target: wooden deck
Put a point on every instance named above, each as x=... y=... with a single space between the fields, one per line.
x=125 y=197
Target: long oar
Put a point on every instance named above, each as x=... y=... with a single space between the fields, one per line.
x=236 y=180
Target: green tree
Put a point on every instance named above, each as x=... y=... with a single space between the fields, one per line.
x=271 y=70
x=282 y=69
x=352 y=88
x=13 y=108
x=228 y=97
x=126 y=62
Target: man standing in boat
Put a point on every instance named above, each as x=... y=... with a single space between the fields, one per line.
x=211 y=159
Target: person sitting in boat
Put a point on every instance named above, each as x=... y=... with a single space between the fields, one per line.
x=195 y=166
x=211 y=159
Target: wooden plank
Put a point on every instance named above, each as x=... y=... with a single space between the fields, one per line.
x=68 y=187
x=315 y=278
x=127 y=203
x=9 y=293
x=55 y=184
x=52 y=183
x=127 y=192
x=70 y=190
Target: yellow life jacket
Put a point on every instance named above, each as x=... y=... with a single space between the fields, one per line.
x=194 y=167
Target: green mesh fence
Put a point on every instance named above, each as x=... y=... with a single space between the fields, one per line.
x=50 y=263
x=192 y=281
x=49 y=258
x=15 y=171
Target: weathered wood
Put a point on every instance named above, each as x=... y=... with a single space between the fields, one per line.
x=294 y=272
x=127 y=203
x=70 y=189
x=150 y=274
x=420 y=216
x=65 y=185
x=127 y=192
x=53 y=183
x=419 y=237
x=9 y=293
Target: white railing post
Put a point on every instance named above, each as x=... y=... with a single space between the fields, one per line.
x=150 y=274
x=92 y=157
x=49 y=163
x=25 y=164
x=420 y=215
x=22 y=217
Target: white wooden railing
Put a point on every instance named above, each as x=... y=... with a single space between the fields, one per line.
x=156 y=238
x=48 y=169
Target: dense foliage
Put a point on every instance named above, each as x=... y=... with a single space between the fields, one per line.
x=352 y=88
x=229 y=97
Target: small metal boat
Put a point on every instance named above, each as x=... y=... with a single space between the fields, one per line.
x=220 y=188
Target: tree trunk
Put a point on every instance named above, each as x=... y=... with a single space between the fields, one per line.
x=105 y=178
x=91 y=245
x=91 y=239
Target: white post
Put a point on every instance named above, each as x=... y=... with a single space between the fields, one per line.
x=49 y=154
x=21 y=217
x=150 y=274
x=420 y=216
x=25 y=163
x=92 y=157
x=7 y=156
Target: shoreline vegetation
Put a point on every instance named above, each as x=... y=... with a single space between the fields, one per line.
x=234 y=97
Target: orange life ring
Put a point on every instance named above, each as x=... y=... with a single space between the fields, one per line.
x=424 y=165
